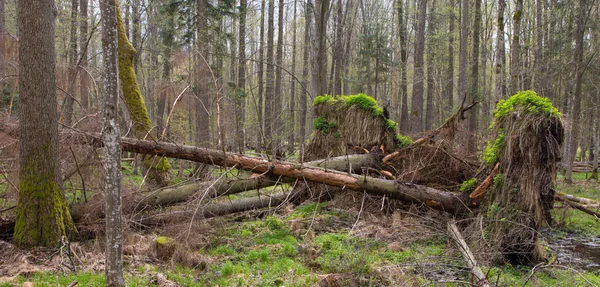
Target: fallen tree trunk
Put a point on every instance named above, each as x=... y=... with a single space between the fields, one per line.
x=457 y=204
x=215 y=209
x=464 y=249
x=228 y=185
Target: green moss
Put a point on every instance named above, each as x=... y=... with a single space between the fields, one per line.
x=403 y=141
x=321 y=124
x=490 y=154
x=163 y=240
x=391 y=125
x=531 y=103
x=364 y=102
x=42 y=216
x=322 y=99
x=468 y=185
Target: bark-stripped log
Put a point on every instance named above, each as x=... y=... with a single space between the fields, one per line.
x=481 y=280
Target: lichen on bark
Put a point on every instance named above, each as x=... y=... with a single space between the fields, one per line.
x=142 y=126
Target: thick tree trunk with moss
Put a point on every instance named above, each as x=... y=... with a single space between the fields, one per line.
x=142 y=126
x=42 y=217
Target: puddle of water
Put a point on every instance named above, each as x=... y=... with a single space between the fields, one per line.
x=576 y=251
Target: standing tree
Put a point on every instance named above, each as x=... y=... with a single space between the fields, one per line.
x=83 y=43
x=277 y=111
x=449 y=87
x=515 y=50
x=292 y=117
x=462 y=61
x=319 y=85
x=112 y=144
x=260 y=71
x=270 y=85
x=500 y=87
x=404 y=124
x=474 y=117
x=158 y=167
x=42 y=217
x=240 y=97
x=305 y=71
x=417 y=97
x=202 y=76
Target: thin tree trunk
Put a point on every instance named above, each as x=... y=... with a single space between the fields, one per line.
x=202 y=81
x=475 y=94
x=449 y=87
x=83 y=40
x=168 y=36
x=339 y=49
x=240 y=97
x=260 y=106
x=67 y=108
x=462 y=62
x=112 y=155
x=320 y=47
x=515 y=61
x=429 y=109
x=292 y=116
x=404 y=118
x=136 y=34
x=270 y=84
x=500 y=86
x=277 y=110
x=419 y=77
x=42 y=217
x=576 y=110
x=305 y=72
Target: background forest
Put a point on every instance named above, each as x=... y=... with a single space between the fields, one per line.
x=199 y=78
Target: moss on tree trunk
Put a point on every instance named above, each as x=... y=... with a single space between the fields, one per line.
x=142 y=126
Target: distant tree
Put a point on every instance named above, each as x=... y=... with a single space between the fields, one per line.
x=319 y=47
x=67 y=107
x=270 y=83
x=83 y=48
x=308 y=11
x=292 y=115
x=278 y=95
x=112 y=147
x=500 y=86
x=42 y=217
x=419 y=76
x=449 y=87
x=260 y=95
x=474 y=93
x=240 y=96
x=462 y=61
x=404 y=118
x=515 y=50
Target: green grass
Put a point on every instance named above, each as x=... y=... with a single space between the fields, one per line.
x=84 y=278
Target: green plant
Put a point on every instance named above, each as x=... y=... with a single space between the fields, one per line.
x=403 y=141
x=490 y=154
x=322 y=99
x=364 y=102
x=468 y=185
x=321 y=124
x=530 y=102
x=391 y=125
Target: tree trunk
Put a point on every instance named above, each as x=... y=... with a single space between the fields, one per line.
x=277 y=110
x=576 y=110
x=240 y=96
x=305 y=72
x=142 y=127
x=515 y=61
x=320 y=47
x=202 y=81
x=450 y=76
x=475 y=94
x=112 y=151
x=261 y=59
x=417 y=96
x=136 y=35
x=462 y=61
x=339 y=49
x=42 y=217
x=83 y=44
x=270 y=84
x=67 y=108
x=168 y=36
x=404 y=117
x=292 y=116
x=500 y=87
x=429 y=110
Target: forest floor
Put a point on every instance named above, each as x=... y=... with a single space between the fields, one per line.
x=350 y=241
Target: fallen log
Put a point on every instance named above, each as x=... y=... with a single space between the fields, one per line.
x=578 y=206
x=227 y=185
x=457 y=204
x=214 y=209
x=467 y=255
x=573 y=198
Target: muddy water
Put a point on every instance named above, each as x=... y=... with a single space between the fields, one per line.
x=576 y=251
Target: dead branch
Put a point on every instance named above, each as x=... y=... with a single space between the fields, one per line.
x=467 y=255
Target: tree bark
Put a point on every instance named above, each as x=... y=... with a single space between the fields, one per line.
x=462 y=61
x=450 y=74
x=475 y=92
x=500 y=87
x=292 y=115
x=83 y=42
x=515 y=61
x=320 y=47
x=240 y=97
x=112 y=151
x=67 y=107
x=481 y=280
x=260 y=135
x=576 y=109
x=202 y=81
x=431 y=47
x=305 y=72
x=42 y=217
x=277 y=97
x=142 y=127
x=419 y=77
x=449 y=202
x=404 y=117
x=270 y=84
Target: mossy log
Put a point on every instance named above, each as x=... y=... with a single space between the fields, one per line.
x=227 y=185
x=142 y=126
